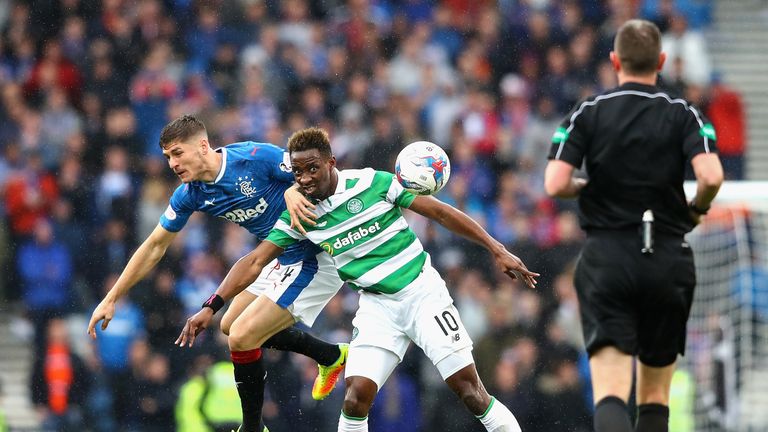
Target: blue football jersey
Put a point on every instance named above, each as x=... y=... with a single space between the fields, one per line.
x=248 y=191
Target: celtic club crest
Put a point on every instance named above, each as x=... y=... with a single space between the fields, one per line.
x=245 y=187
x=354 y=206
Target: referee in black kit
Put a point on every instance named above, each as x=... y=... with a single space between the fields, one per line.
x=635 y=277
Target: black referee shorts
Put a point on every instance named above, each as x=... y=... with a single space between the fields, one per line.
x=635 y=302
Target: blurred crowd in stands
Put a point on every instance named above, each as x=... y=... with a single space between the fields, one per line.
x=86 y=87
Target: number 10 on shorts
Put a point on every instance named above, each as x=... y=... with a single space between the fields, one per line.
x=446 y=319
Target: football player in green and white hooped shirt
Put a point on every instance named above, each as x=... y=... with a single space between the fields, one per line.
x=402 y=297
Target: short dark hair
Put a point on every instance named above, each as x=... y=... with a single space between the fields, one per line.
x=310 y=138
x=181 y=129
x=638 y=45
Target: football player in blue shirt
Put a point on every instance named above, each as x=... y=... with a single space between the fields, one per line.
x=243 y=183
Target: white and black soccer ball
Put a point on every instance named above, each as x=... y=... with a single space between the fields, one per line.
x=422 y=167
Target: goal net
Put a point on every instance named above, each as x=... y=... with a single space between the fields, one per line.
x=725 y=370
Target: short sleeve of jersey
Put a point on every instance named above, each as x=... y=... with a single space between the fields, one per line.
x=178 y=211
x=569 y=142
x=396 y=193
x=282 y=234
x=277 y=162
x=698 y=134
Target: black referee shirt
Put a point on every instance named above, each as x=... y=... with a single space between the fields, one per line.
x=635 y=141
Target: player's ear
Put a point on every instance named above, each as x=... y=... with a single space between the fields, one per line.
x=615 y=62
x=204 y=145
x=662 y=59
x=332 y=161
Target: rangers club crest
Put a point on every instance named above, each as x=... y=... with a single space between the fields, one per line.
x=245 y=186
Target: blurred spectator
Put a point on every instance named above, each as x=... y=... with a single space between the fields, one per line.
x=223 y=72
x=398 y=406
x=162 y=311
x=726 y=111
x=353 y=138
x=690 y=47
x=107 y=83
x=560 y=83
x=208 y=401
x=115 y=187
x=45 y=270
x=73 y=236
x=203 y=37
x=59 y=382
x=295 y=28
x=502 y=334
x=53 y=70
x=258 y=114
x=155 y=402
x=152 y=89
x=111 y=252
x=442 y=110
x=29 y=196
x=520 y=397
x=58 y=122
x=444 y=34
x=386 y=144
x=406 y=68
x=126 y=330
x=201 y=278
x=537 y=138
x=472 y=295
x=562 y=406
x=480 y=123
x=153 y=197
x=501 y=219
x=515 y=114
x=697 y=12
x=73 y=40
x=282 y=407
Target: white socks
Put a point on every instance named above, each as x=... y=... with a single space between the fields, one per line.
x=497 y=418
x=354 y=424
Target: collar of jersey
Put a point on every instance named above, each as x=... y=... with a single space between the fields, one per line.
x=638 y=86
x=341 y=186
x=223 y=151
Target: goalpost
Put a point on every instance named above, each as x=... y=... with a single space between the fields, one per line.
x=726 y=361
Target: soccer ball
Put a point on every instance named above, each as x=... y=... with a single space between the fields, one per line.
x=423 y=168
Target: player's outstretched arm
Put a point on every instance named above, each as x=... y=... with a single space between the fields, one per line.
x=143 y=260
x=299 y=208
x=242 y=274
x=559 y=181
x=463 y=225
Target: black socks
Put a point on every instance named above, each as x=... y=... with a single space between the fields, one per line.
x=611 y=416
x=652 y=418
x=298 y=341
x=249 y=378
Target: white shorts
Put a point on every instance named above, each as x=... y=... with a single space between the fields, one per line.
x=303 y=288
x=422 y=312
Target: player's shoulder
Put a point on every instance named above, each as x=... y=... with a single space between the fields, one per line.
x=365 y=176
x=185 y=190
x=251 y=150
x=357 y=173
x=186 y=194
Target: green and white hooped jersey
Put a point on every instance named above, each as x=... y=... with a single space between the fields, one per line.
x=362 y=228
